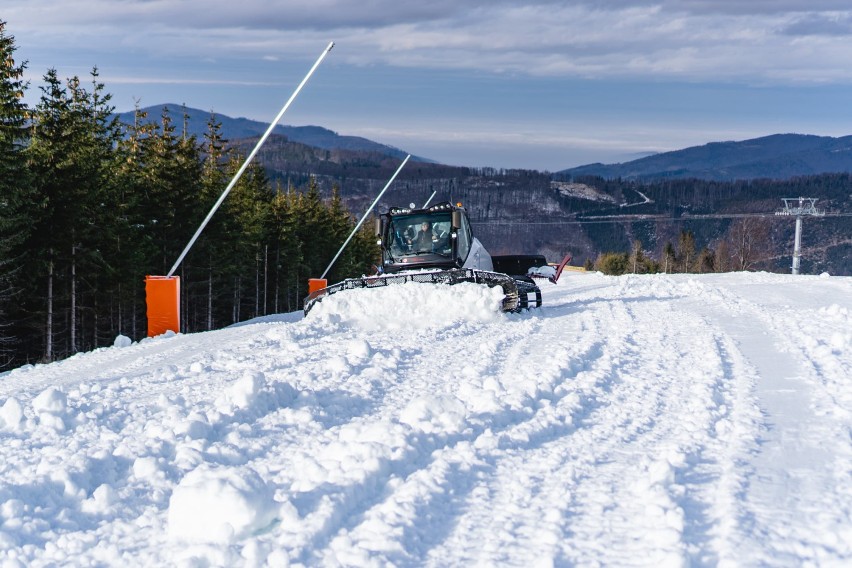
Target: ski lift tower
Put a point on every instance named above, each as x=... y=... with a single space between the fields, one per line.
x=800 y=207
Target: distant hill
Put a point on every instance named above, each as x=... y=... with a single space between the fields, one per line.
x=780 y=156
x=240 y=128
x=517 y=211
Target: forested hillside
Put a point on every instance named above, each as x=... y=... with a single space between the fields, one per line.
x=88 y=207
x=522 y=211
x=236 y=128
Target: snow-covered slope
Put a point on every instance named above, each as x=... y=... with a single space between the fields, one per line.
x=655 y=420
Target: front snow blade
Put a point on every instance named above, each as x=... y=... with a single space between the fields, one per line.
x=516 y=291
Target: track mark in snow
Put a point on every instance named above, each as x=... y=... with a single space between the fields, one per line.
x=436 y=475
x=799 y=452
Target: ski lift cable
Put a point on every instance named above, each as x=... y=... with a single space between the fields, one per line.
x=638 y=219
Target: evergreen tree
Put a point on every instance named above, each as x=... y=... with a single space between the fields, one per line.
x=51 y=162
x=314 y=234
x=14 y=190
x=283 y=233
x=244 y=215
x=214 y=180
x=132 y=245
x=93 y=261
x=361 y=252
x=69 y=155
x=613 y=263
x=706 y=261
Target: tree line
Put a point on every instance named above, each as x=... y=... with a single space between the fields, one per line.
x=89 y=206
x=746 y=245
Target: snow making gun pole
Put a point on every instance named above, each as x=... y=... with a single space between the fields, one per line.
x=315 y=284
x=162 y=293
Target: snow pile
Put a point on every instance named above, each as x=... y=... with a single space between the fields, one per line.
x=542 y=271
x=654 y=420
x=409 y=306
x=220 y=504
x=50 y=406
x=11 y=414
x=435 y=414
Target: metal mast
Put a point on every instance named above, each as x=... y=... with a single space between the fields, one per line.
x=800 y=207
x=248 y=160
x=358 y=226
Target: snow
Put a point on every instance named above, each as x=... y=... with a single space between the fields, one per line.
x=220 y=504
x=542 y=271
x=635 y=420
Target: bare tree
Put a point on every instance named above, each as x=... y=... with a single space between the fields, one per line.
x=749 y=242
x=637 y=259
x=723 y=256
x=687 y=249
x=669 y=257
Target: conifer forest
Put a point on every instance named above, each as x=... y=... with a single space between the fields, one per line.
x=89 y=207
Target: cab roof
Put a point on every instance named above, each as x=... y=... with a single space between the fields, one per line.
x=438 y=207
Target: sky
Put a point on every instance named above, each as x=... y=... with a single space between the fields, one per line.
x=513 y=84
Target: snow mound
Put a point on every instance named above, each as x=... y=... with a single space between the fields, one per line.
x=435 y=414
x=11 y=413
x=51 y=406
x=409 y=305
x=243 y=394
x=51 y=400
x=220 y=505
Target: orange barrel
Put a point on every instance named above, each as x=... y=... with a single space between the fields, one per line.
x=315 y=284
x=162 y=295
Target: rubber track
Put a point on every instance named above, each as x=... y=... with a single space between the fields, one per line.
x=516 y=291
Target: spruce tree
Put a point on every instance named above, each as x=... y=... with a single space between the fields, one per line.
x=15 y=194
x=94 y=260
x=214 y=180
x=50 y=162
x=172 y=185
x=283 y=231
x=243 y=220
x=133 y=245
x=70 y=157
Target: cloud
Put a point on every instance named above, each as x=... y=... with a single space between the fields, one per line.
x=321 y=15
x=758 y=41
x=247 y=14
x=838 y=24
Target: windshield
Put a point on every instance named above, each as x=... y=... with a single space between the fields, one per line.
x=420 y=234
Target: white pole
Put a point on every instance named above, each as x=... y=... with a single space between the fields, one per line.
x=428 y=201
x=249 y=159
x=797 y=245
x=358 y=226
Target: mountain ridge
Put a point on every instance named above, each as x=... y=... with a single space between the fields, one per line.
x=241 y=127
x=776 y=156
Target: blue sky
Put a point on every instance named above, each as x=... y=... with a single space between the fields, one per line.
x=521 y=84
